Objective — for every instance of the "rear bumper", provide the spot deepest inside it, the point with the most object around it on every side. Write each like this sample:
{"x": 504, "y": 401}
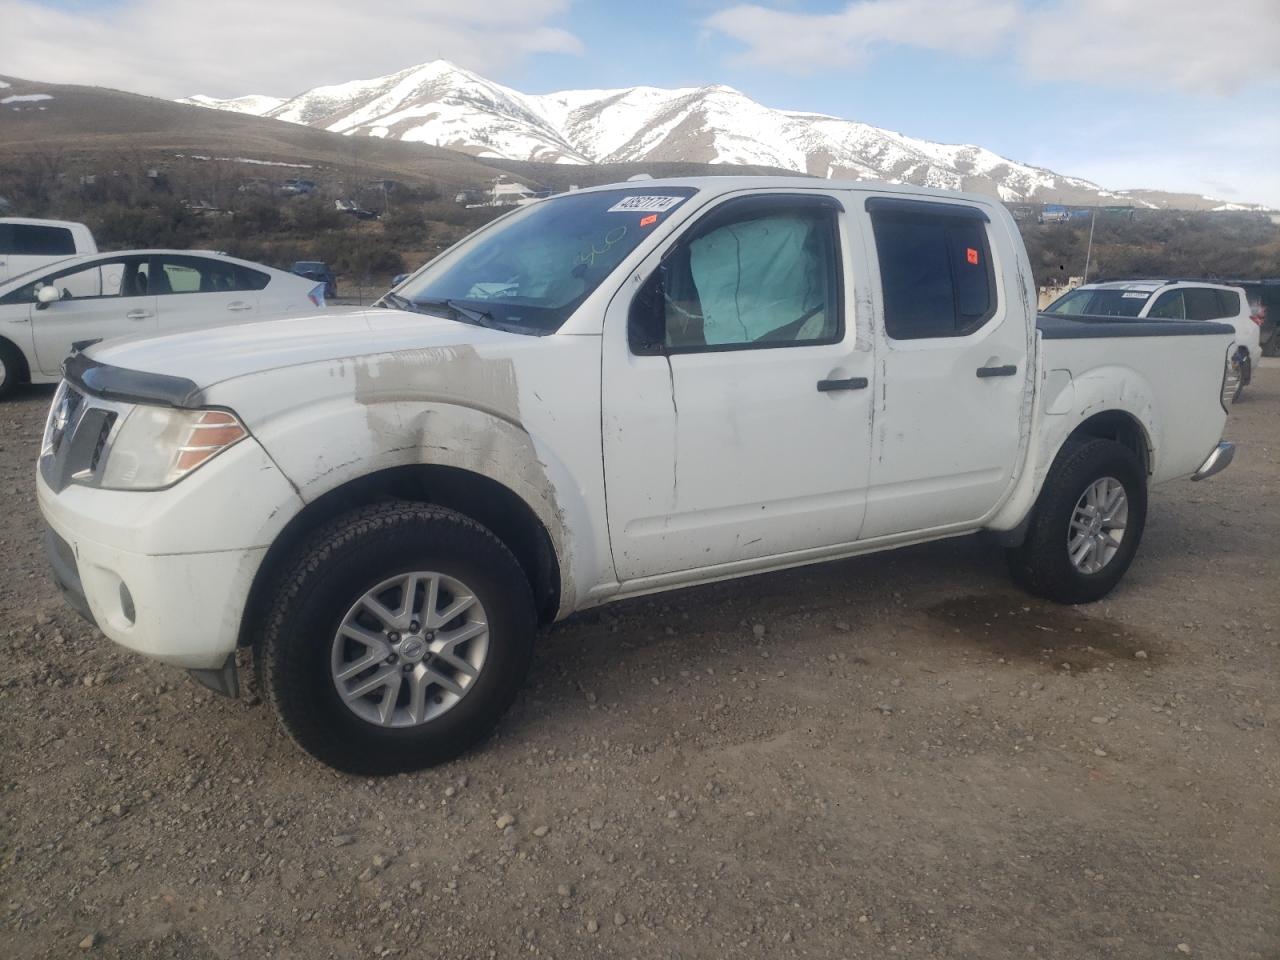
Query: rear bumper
{"x": 1217, "y": 461}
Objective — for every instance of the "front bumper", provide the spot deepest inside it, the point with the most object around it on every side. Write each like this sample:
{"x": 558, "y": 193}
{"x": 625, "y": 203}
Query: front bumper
{"x": 1217, "y": 461}
{"x": 166, "y": 573}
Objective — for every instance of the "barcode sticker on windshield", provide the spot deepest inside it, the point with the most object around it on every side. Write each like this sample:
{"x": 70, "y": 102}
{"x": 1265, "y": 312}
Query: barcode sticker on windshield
{"x": 1134, "y": 296}
{"x": 644, "y": 205}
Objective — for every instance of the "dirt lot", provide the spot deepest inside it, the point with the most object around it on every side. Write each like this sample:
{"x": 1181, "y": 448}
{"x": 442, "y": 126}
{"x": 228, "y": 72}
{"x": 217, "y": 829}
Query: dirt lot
{"x": 894, "y": 756}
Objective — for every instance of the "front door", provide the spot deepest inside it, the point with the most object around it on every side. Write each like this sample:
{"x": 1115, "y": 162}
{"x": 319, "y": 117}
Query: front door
{"x": 953, "y": 414}
{"x": 736, "y": 397}
{"x": 100, "y": 300}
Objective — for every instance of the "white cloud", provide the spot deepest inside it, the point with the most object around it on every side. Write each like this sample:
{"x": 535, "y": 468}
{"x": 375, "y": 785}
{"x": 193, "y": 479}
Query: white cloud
{"x": 803, "y": 42}
{"x": 175, "y": 48}
{"x": 1191, "y": 45}
{"x": 1197, "y": 47}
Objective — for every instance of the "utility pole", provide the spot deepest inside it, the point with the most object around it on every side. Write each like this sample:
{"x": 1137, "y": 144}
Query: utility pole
{"x": 1088, "y": 254}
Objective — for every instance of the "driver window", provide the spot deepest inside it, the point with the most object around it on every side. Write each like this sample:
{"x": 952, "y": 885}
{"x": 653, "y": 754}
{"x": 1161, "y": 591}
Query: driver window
{"x": 755, "y": 274}
{"x": 80, "y": 284}
{"x": 105, "y": 278}
{"x": 1169, "y": 307}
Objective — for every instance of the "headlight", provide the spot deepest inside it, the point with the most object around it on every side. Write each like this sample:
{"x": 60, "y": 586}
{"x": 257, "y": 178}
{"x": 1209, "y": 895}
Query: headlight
{"x": 158, "y": 446}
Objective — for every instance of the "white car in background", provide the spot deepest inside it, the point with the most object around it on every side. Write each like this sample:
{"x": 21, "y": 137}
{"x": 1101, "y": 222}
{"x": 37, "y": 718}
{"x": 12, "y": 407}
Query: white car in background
{"x": 49, "y": 313}
{"x": 1173, "y": 300}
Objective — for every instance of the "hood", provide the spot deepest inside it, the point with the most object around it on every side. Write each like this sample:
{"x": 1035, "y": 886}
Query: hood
{"x": 211, "y": 355}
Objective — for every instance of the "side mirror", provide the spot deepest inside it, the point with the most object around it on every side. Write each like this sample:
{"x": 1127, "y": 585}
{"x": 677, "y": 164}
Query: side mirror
{"x": 398, "y": 279}
{"x": 47, "y": 294}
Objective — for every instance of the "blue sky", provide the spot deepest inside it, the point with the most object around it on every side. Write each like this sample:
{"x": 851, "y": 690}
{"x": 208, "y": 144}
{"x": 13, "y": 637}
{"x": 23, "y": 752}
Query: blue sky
{"x": 1173, "y": 94}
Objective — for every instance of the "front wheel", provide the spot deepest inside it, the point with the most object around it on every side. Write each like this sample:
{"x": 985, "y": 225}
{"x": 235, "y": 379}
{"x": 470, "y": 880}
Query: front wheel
{"x": 396, "y": 639}
{"x": 1086, "y": 526}
{"x": 10, "y": 369}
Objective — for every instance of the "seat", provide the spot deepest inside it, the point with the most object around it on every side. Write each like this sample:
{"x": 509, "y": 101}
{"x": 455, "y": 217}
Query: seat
{"x": 158, "y": 283}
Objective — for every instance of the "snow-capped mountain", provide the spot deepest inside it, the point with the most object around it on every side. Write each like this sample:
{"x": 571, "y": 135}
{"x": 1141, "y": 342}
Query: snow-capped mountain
{"x": 253, "y": 104}
{"x": 445, "y": 105}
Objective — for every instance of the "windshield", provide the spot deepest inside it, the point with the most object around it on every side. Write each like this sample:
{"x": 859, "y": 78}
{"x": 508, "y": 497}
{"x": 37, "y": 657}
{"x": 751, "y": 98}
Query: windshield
{"x": 1100, "y": 303}
{"x": 530, "y": 272}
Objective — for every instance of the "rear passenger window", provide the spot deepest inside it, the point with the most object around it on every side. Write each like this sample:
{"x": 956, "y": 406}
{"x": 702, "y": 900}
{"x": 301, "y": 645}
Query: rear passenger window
{"x": 29, "y": 239}
{"x": 203, "y": 275}
{"x": 935, "y": 268}
{"x": 1228, "y": 304}
{"x": 1202, "y": 303}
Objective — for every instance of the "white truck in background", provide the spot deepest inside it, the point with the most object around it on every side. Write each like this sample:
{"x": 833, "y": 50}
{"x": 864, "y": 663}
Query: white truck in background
{"x": 609, "y": 393}
{"x": 27, "y": 244}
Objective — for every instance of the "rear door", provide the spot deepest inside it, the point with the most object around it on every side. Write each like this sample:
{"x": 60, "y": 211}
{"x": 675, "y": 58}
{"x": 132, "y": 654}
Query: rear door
{"x": 195, "y": 291}
{"x": 954, "y": 341}
{"x": 101, "y": 300}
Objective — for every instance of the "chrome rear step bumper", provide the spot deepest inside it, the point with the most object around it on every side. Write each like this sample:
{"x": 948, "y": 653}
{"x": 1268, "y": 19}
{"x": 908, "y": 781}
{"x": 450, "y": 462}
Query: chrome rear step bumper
{"x": 1217, "y": 461}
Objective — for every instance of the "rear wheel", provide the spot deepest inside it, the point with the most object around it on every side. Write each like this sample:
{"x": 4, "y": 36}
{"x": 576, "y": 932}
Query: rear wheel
{"x": 397, "y": 638}
{"x": 1086, "y": 526}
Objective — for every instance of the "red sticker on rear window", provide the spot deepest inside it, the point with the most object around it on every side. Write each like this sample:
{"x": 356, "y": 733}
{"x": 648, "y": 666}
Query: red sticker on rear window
{"x": 649, "y": 221}
{"x": 971, "y": 255}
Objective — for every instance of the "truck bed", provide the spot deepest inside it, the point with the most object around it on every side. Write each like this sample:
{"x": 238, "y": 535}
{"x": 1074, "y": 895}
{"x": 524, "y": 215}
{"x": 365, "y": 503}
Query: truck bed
{"x": 1054, "y": 326}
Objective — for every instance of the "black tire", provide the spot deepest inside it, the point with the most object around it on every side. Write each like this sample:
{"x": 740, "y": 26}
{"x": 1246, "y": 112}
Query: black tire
{"x": 1246, "y": 377}
{"x": 1042, "y": 564}
{"x": 11, "y": 369}
{"x": 329, "y": 573}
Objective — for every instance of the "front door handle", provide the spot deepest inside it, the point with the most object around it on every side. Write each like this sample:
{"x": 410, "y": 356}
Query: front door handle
{"x": 853, "y": 383}
{"x": 139, "y": 314}
{"x": 239, "y": 305}
{"x": 1008, "y": 370}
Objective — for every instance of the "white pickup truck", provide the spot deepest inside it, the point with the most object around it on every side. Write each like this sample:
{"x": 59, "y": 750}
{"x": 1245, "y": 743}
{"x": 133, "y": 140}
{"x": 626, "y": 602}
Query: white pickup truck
{"x": 27, "y": 244}
{"x": 608, "y": 393}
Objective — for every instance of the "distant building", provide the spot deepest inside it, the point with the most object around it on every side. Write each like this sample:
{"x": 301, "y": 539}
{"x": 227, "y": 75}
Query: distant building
{"x": 506, "y": 194}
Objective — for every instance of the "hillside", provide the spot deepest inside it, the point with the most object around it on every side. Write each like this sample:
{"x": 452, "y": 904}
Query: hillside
{"x": 90, "y": 127}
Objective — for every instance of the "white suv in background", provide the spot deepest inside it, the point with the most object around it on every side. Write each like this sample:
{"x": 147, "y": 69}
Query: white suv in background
{"x": 1172, "y": 300}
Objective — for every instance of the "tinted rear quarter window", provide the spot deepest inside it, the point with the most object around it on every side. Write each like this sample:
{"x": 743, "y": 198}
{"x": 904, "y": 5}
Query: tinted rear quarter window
{"x": 247, "y": 279}
{"x": 29, "y": 239}
{"x": 1228, "y": 304}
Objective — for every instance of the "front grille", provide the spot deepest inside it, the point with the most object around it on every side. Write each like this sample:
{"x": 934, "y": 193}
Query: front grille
{"x": 77, "y": 437}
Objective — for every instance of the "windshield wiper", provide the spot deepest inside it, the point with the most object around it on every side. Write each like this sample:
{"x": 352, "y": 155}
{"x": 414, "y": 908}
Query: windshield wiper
{"x": 462, "y": 312}
{"x": 395, "y": 300}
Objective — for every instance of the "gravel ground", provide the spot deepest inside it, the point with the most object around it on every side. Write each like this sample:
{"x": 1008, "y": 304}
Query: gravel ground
{"x": 893, "y": 756}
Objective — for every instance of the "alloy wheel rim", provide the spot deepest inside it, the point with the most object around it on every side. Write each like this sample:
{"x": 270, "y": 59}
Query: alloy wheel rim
{"x": 1097, "y": 525}
{"x": 409, "y": 649}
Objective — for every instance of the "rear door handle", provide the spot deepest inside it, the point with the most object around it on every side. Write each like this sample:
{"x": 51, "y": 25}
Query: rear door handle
{"x": 239, "y": 305}
{"x": 853, "y": 383}
{"x": 1008, "y": 370}
{"x": 139, "y": 314}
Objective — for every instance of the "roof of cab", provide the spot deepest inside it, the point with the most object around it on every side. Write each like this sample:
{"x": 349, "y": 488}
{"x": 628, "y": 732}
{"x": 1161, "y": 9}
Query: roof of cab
{"x": 729, "y": 184}
{"x": 39, "y": 222}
